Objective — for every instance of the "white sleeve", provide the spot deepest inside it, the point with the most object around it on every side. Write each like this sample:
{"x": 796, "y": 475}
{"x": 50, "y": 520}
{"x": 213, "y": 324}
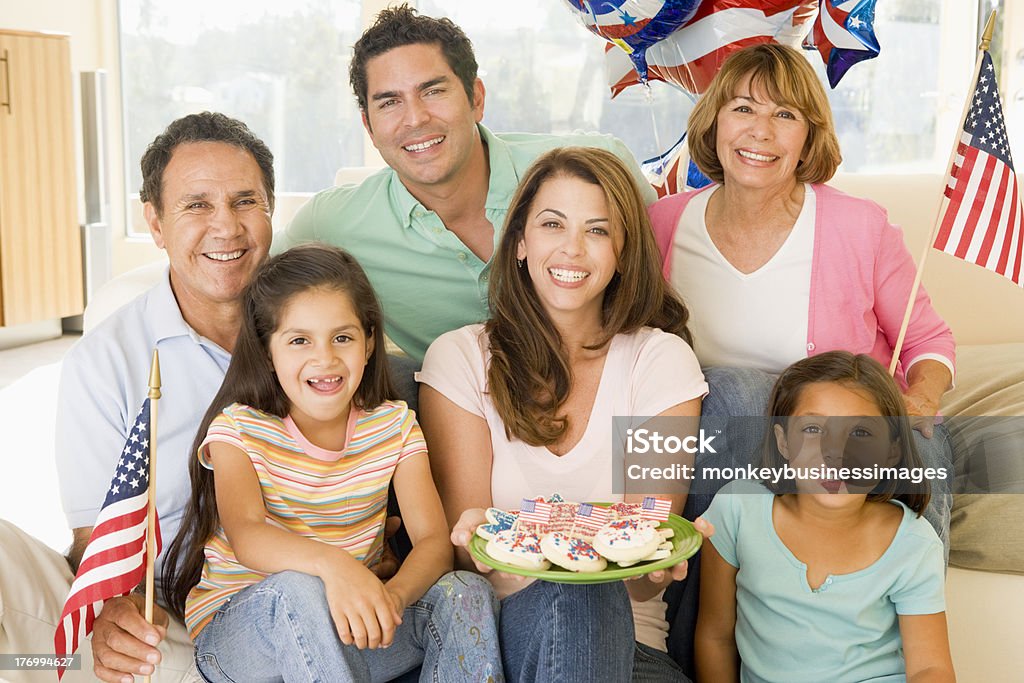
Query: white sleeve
{"x": 454, "y": 366}
{"x": 92, "y": 424}
{"x": 665, "y": 373}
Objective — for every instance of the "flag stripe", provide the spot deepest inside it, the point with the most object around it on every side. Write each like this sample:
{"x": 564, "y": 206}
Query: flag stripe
{"x": 989, "y": 236}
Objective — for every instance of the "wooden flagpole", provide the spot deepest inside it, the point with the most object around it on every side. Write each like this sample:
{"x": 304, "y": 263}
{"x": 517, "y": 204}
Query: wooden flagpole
{"x": 154, "y": 399}
{"x": 986, "y": 40}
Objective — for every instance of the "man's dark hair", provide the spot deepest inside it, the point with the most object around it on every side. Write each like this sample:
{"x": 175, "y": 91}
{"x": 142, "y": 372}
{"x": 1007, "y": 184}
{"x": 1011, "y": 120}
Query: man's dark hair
{"x": 400, "y": 26}
{"x": 203, "y": 127}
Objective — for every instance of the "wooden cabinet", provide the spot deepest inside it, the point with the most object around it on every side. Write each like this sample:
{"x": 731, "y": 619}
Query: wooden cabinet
{"x": 40, "y": 240}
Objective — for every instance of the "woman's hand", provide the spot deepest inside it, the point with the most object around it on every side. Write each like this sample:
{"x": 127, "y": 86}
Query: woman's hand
{"x": 462, "y": 534}
{"x": 922, "y": 411}
{"x": 656, "y": 581}
{"x": 927, "y": 381}
{"x": 365, "y": 613}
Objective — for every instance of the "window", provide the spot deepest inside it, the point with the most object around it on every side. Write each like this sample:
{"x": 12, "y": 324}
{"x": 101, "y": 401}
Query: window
{"x": 282, "y": 67}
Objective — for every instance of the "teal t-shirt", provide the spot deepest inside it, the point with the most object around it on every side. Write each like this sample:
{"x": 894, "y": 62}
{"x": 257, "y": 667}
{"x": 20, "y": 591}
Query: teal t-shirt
{"x": 427, "y": 280}
{"x": 848, "y": 629}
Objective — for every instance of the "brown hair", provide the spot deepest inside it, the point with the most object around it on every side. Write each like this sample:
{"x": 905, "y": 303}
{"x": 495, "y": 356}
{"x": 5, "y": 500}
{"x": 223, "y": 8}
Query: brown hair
{"x": 401, "y": 26}
{"x": 202, "y": 127}
{"x": 250, "y": 380}
{"x": 529, "y": 377}
{"x": 862, "y": 372}
{"x": 789, "y": 80}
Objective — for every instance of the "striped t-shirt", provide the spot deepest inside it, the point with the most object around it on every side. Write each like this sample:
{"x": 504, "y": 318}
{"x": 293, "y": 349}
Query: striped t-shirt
{"x": 339, "y": 498}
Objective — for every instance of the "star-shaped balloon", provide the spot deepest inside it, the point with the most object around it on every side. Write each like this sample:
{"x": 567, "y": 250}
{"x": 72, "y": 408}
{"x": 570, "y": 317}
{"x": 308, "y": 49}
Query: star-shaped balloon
{"x": 844, "y": 35}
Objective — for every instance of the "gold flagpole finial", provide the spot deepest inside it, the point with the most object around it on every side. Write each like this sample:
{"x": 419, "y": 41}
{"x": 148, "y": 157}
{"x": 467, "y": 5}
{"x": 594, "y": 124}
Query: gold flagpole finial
{"x": 986, "y": 36}
{"x": 154, "y": 376}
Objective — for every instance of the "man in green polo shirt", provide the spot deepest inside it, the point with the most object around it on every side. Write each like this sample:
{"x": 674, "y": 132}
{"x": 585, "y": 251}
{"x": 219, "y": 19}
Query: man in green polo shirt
{"x": 425, "y": 227}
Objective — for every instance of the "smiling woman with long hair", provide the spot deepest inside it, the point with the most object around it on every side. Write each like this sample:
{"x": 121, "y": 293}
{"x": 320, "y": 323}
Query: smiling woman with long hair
{"x": 583, "y": 328}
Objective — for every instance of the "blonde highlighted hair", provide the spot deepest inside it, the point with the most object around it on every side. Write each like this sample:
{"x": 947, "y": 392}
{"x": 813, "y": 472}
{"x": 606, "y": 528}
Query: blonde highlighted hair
{"x": 788, "y": 79}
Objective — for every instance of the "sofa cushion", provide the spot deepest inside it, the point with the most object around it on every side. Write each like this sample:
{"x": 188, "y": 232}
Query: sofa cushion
{"x": 990, "y": 381}
{"x": 987, "y": 529}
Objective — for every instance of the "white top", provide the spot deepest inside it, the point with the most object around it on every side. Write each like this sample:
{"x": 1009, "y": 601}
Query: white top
{"x": 754, "y": 320}
{"x": 645, "y": 373}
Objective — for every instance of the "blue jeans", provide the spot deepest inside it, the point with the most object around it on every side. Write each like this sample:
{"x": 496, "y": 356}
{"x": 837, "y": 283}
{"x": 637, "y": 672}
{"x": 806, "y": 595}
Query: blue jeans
{"x": 563, "y": 632}
{"x": 280, "y": 629}
{"x": 652, "y": 666}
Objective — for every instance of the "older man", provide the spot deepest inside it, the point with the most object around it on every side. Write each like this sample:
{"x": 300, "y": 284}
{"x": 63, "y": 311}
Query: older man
{"x": 208, "y": 193}
{"x": 425, "y": 227}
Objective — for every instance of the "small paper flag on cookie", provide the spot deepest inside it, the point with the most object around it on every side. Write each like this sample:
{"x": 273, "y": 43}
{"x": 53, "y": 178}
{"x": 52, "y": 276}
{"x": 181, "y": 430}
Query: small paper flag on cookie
{"x": 534, "y": 511}
{"x": 655, "y": 508}
{"x": 591, "y": 517}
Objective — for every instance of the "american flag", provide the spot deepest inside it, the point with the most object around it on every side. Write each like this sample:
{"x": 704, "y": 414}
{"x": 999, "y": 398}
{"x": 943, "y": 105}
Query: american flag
{"x": 691, "y": 55}
{"x": 592, "y": 517}
{"x": 114, "y": 562}
{"x": 655, "y": 508}
{"x": 534, "y": 511}
{"x": 982, "y": 223}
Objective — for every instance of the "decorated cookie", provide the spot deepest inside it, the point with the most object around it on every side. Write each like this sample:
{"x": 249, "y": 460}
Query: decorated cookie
{"x": 517, "y": 548}
{"x": 664, "y": 550}
{"x": 571, "y": 553}
{"x": 497, "y": 521}
{"x": 627, "y": 540}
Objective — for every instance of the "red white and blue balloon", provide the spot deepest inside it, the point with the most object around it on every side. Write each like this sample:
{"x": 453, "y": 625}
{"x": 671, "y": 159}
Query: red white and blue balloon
{"x": 844, "y": 35}
{"x": 634, "y": 25}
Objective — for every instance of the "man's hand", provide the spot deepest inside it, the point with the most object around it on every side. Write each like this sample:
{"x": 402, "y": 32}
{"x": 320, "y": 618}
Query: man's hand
{"x": 123, "y": 643}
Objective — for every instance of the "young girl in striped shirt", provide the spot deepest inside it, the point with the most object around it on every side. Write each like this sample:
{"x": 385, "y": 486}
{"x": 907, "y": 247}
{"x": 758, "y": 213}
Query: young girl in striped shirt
{"x": 273, "y": 569}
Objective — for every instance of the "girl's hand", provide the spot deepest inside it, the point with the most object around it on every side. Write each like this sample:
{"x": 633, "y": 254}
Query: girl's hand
{"x": 364, "y": 612}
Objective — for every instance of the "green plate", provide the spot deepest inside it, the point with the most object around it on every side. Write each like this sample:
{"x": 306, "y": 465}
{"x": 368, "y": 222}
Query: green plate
{"x": 685, "y": 542}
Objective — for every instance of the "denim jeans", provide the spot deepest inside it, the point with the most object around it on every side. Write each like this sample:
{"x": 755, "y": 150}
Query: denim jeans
{"x": 566, "y": 633}
{"x": 735, "y": 396}
{"x": 652, "y": 666}
{"x": 280, "y": 629}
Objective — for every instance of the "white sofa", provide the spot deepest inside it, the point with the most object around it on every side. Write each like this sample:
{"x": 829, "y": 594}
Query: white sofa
{"x": 986, "y": 312}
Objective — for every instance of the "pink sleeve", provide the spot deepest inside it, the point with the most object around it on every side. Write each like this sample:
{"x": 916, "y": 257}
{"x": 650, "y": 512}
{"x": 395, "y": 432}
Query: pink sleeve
{"x": 665, "y": 373}
{"x": 454, "y": 366}
{"x": 928, "y": 335}
{"x": 664, "y": 215}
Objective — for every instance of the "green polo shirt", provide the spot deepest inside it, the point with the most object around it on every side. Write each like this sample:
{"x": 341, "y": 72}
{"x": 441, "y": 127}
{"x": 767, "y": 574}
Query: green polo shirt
{"x": 427, "y": 280}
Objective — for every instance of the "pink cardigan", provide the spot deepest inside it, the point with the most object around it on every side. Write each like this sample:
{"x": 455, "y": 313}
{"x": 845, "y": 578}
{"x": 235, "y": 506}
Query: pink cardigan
{"x": 861, "y": 276}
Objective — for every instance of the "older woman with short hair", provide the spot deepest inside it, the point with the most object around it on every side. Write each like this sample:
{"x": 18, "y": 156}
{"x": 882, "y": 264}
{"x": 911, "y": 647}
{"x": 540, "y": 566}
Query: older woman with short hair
{"x": 775, "y": 265}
